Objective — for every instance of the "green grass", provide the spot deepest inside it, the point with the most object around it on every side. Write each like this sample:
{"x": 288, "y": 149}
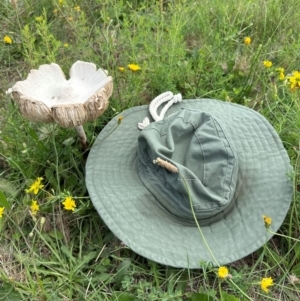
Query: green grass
{"x": 192, "y": 47}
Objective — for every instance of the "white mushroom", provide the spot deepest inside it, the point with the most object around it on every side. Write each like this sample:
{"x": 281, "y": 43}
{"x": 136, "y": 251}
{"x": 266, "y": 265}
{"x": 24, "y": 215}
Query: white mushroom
{"x": 47, "y": 96}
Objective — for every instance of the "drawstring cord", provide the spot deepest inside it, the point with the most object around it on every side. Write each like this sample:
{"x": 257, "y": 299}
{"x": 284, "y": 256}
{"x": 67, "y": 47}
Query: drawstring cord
{"x": 168, "y": 97}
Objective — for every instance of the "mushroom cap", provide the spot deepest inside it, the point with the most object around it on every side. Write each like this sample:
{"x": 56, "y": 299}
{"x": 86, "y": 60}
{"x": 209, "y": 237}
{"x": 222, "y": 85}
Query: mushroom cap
{"x": 46, "y": 95}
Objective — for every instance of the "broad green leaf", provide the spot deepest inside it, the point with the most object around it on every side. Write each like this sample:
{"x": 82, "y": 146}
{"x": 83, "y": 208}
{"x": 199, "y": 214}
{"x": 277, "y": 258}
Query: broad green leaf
{"x": 69, "y": 141}
{"x": 297, "y": 250}
{"x": 105, "y": 261}
{"x": 46, "y": 236}
{"x": 45, "y": 271}
{"x": 200, "y": 297}
{"x": 68, "y": 253}
{"x": 50, "y": 177}
{"x": 3, "y": 200}
{"x": 228, "y": 297}
{"x": 8, "y": 293}
{"x": 99, "y": 268}
{"x": 19, "y": 165}
{"x": 84, "y": 260}
{"x": 291, "y": 295}
{"x": 56, "y": 234}
{"x": 296, "y": 270}
{"x": 122, "y": 271}
{"x": 8, "y": 187}
{"x": 120, "y": 296}
{"x": 105, "y": 278}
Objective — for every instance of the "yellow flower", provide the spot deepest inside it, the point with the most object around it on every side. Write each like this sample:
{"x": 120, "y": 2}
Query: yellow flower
{"x": 268, "y": 64}
{"x": 39, "y": 19}
{"x": 281, "y": 73}
{"x": 122, "y": 69}
{"x": 1, "y": 211}
{"x": 77, "y": 8}
{"x": 36, "y": 186}
{"x": 280, "y": 70}
{"x": 7, "y": 39}
{"x": 281, "y": 76}
{"x": 223, "y": 272}
{"x": 66, "y": 45}
{"x": 34, "y": 207}
{"x": 247, "y": 41}
{"x": 60, "y": 2}
{"x": 134, "y": 67}
{"x": 294, "y": 80}
{"x": 120, "y": 118}
{"x": 69, "y": 203}
{"x": 265, "y": 283}
{"x": 267, "y": 220}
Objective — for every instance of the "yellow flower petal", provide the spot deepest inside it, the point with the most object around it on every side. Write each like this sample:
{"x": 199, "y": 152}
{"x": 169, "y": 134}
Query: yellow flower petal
{"x": 265, "y": 283}
{"x": 39, "y": 19}
{"x": 69, "y": 204}
{"x": 7, "y": 39}
{"x": 281, "y": 76}
{"x": 34, "y": 207}
{"x": 267, "y": 220}
{"x": 223, "y": 272}
{"x": 134, "y": 67}
{"x": 36, "y": 186}
{"x": 120, "y": 118}
{"x": 1, "y": 211}
{"x": 247, "y": 41}
{"x": 267, "y": 64}
{"x": 294, "y": 80}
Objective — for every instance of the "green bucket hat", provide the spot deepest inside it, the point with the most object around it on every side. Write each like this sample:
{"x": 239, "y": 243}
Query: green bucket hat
{"x": 208, "y": 165}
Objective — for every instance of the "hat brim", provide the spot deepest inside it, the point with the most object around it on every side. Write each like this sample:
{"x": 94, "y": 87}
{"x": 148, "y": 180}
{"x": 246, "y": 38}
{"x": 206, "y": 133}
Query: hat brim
{"x": 131, "y": 212}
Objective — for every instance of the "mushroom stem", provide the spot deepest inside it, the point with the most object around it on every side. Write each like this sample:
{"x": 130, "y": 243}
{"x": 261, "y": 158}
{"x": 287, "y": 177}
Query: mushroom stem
{"x": 82, "y": 135}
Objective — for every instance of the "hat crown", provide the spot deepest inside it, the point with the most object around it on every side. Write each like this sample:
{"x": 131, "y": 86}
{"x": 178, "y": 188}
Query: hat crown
{"x": 198, "y": 145}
